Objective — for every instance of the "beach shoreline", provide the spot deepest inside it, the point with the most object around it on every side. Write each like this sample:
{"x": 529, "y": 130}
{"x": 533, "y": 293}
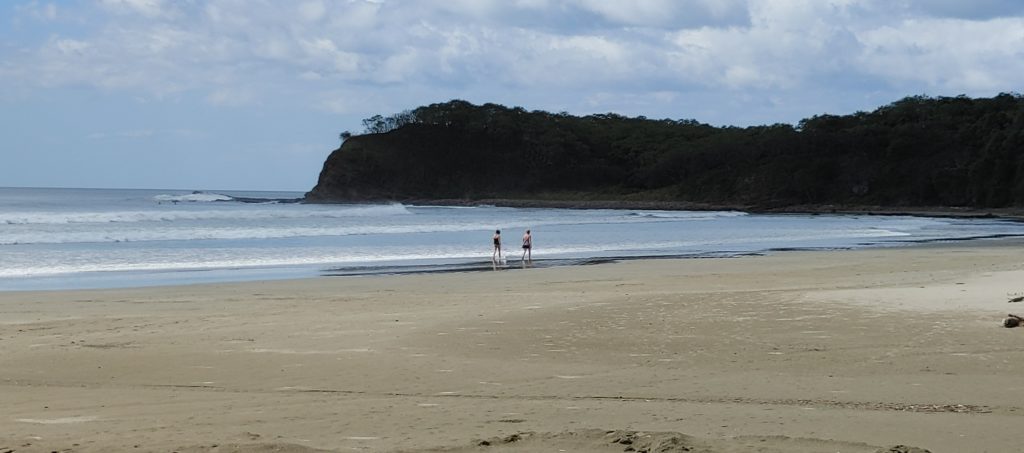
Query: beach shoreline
{"x": 1010, "y": 213}
{"x": 847, "y": 350}
{"x": 131, "y": 237}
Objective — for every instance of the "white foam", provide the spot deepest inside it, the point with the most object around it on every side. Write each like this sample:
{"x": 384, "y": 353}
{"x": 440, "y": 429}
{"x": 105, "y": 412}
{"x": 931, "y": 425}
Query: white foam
{"x": 688, "y": 215}
{"x": 142, "y": 237}
{"x": 227, "y": 213}
{"x": 157, "y": 258}
{"x": 249, "y": 231}
{"x": 194, "y": 197}
{"x": 202, "y": 260}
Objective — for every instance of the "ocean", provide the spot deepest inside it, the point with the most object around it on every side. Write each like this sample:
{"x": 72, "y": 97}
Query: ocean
{"x": 109, "y": 238}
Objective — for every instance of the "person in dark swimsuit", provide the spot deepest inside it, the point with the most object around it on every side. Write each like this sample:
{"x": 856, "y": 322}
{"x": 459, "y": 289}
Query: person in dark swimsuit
{"x": 496, "y": 255}
{"x": 527, "y": 246}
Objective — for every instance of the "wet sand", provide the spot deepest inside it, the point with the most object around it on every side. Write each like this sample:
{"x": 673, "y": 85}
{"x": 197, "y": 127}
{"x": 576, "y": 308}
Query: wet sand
{"x": 845, "y": 351}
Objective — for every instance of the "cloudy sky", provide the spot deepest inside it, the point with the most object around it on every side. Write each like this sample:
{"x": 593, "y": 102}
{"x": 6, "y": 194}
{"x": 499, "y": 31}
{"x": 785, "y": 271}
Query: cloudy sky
{"x": 251, "y": 94}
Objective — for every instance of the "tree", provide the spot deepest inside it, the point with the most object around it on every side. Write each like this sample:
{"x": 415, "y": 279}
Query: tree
{"x": 375, "y": 125}
{"x": 918, "y": 151}
{"x": 378, "y": 124}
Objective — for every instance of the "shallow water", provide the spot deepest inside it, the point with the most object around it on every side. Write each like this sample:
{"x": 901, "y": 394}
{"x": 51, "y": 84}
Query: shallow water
{"x": 96, "y": 238}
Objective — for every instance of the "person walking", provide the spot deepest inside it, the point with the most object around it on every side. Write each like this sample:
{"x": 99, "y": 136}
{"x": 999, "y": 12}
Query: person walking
{"x": 527, "y": 246}
{"x": 496, "y": 255}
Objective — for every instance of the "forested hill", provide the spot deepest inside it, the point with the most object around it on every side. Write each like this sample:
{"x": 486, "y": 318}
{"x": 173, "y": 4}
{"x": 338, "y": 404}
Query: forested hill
{"x": 916, "y": 152}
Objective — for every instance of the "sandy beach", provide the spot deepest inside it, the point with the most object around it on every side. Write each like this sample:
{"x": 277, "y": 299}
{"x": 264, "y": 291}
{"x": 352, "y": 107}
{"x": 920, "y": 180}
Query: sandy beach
{"x": 839, "y": 351}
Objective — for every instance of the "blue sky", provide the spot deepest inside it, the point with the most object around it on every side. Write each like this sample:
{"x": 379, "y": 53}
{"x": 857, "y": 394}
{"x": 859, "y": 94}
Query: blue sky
{"x": 251, "y": 94}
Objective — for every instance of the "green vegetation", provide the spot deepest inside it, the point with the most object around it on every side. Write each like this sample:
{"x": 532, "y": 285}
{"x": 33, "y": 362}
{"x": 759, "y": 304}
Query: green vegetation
{"x": 919, "y": 151}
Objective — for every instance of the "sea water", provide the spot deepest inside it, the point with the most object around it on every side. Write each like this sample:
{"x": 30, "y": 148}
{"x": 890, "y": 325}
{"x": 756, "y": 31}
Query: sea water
{"x": 101, "y": 238}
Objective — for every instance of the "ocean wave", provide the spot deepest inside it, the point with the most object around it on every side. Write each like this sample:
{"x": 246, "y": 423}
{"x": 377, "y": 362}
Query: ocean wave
{"x": 133, "y": 229}
{"x": 198, "y": 259}
{"x": 226, "y": 233}
{"x": 194, "y": 197}
{"x": 687, "y": 215}
{"x": 250, "y": 232}
{"x": 193, "y": 259}
{"x": 210, "y": 197}
{"x": 170, "y": 215}
{"x": 166, "y": 266}
{"x": 211, "y": 260}
{"x": 256, "y": 225}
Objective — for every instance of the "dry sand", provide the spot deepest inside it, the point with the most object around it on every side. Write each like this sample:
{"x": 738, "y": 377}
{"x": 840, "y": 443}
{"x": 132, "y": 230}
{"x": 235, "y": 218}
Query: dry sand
{"x": 846, "y": 351}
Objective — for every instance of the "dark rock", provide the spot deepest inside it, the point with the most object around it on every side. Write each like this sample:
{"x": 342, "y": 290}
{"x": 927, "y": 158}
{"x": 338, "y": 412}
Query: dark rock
{"x": 902, "y": 449}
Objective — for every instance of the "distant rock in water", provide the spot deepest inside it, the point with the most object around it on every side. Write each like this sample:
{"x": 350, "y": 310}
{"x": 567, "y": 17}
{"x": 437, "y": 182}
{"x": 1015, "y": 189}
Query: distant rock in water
{"x": 916, "y": 152}
{"x": 266, "y": 200}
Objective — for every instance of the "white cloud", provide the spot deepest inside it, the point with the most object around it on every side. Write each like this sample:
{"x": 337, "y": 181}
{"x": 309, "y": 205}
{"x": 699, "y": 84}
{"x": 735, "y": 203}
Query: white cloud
{"x": 972, "y": 10}
{"x": 313, "y": 66}
{"x": 588, "y": 48}
{"x": 71, "y": 46}
{"x": 633, "y": 102}
{"x": 478, "y": 9}
{"x": 50, "y": 11}
{"x": 349, "y": 101}
{"x": 39, "y": 11}
{"x": 312, "y": 11}
{"x": 638, "y": 12}
{"x": 357, "y": 19}
{"x": 948, "y": 54}
{"x": 231, "y": 96}
{"x": 400, "y": 67}
{"x": 666, "y": 13}
{"x": 147, "y": 8}
{"x": 323, "y": 53}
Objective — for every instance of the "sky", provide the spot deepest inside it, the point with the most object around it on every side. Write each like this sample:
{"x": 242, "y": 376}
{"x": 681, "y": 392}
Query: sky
{"x": 252, "y": 94}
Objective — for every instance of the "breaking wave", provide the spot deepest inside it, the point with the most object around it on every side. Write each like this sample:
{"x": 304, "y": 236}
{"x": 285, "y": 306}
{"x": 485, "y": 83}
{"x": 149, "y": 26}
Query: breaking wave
{"x": 163, "y": 215}
{"x": 687, "y": 215}
{"x": 194, "y": 197}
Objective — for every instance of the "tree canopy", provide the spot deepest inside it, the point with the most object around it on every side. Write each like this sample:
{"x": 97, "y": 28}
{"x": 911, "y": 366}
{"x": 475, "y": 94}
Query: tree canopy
{"x": 918, "y": 151}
